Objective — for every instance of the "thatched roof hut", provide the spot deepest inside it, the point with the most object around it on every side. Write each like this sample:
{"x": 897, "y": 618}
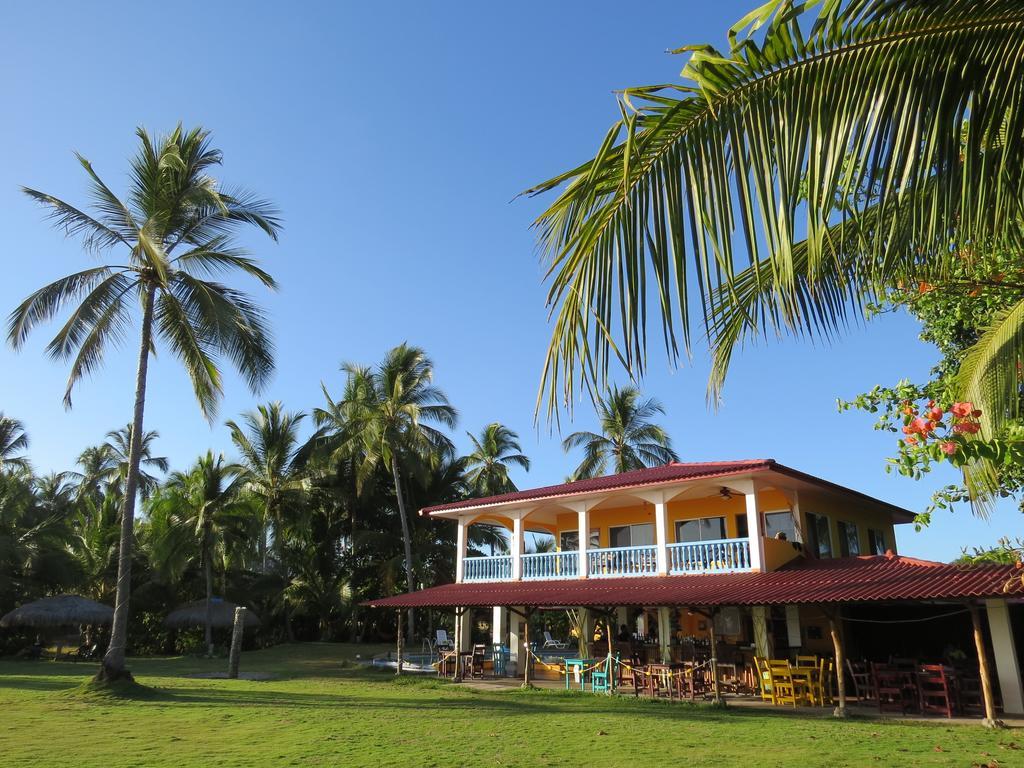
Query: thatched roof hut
{"x": 194, "y": 615}
{"x": 59, "y": 611}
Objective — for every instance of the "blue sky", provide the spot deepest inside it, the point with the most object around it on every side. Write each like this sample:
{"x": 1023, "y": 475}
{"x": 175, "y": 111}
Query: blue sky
{"x": 394, "y": 137}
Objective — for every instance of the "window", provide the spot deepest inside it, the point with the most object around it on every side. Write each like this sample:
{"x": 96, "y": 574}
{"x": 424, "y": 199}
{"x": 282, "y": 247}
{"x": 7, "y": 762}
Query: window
{"x": 704, "y": 529}
{"x": 876, "y": 541}
{"x": 569, "y": 541}
{"x": 631, "y": 535}
{"x": 849, "y": 539}
{"x": 819, "y": 538}
{"x": 779, "y": 522}
{"x": 742, "y": 529}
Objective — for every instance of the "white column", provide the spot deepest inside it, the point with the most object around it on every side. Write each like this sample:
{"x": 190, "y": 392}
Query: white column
{"x": 793, "y": 626}
{"x": 460, "y": 549}
{"x": 661, "y": 535}
{"x": 499, "y": 625}
{"x": 583, "y": 522}
{"x": 1007, "y": 665}
{"x": 466, "y": 630}
{"x": 665, "y": 634}
{"x": 754, "y": 532}
{"x": 515, "y": 643}
{"x": 516, "y": 546}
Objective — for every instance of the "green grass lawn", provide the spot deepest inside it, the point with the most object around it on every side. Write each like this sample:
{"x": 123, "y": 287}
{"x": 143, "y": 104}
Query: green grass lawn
{"x": 319, "y": 711}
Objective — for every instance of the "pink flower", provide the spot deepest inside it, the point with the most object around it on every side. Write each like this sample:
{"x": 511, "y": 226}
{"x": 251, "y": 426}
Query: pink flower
{"x": 948, "y": 448}
{"x": 962, "y": 410}
{"x": 967, "y": 428}
{"x": 921, "y": 426}
{"x": 910, "y": 440}
{"x": 935, "y": 413}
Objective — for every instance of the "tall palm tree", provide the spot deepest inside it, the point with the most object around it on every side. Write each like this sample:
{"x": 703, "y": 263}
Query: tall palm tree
{"x": 628, "y": 439}
{"x": 269, "y": 445}
{"x": 389, "y": 412}
{"x": 174, "y": 229}
{"x": 207, "y": 501}
{"x": 104, "y": 467}
{"x": 888, "y": 134}
{"x": 13, "y": 440}
{"x": 487, "y": 465}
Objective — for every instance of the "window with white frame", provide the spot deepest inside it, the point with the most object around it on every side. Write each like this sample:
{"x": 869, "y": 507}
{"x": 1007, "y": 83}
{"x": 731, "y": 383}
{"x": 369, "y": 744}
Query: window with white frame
{"x": 779, "y": 522}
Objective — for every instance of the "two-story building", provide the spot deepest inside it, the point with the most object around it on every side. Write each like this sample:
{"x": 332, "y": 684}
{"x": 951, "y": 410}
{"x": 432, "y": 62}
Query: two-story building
{"x": 767, "y": 551}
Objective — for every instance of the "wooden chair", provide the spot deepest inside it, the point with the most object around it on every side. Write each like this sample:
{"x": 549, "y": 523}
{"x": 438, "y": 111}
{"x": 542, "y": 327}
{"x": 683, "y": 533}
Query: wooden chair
{"x": 602, "y": 679}
{"x": 476, "y": 662}
{"x": 785, "y": 690}
{"x": 934, "y": 688}
{"x": 891, "y": 688}
{"x": 807, "y": 661}
{"x": 764, "y": 679}
{"x": 632, "y": 674}
{"x": 969, "y": 698}
{"x": 821, "y": 689}
{"x": 863, "y": 684}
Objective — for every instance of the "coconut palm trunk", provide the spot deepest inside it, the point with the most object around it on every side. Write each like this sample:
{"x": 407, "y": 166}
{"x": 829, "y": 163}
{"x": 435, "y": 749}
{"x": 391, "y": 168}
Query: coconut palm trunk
{"x": 406, "y": 542}
{"x": 208, "y": 571}
{"x": 113, "y": 660}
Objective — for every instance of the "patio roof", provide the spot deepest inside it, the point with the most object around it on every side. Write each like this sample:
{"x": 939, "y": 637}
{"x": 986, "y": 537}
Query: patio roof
{"x": 668, "y": 473}
{"x": 876, "y": 578}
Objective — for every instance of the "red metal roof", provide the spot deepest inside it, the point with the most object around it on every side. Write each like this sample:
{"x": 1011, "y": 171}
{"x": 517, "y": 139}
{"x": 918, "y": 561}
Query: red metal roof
{"x": 675, "y": 471}
{"x": 874, "y": 578}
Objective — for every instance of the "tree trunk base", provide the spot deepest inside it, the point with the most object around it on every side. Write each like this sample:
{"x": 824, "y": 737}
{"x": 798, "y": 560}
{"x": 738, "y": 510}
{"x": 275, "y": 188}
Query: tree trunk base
{"x": 110, "y": 675}
{"x": 840, "y": 712}
{"x": 990, "y": 723}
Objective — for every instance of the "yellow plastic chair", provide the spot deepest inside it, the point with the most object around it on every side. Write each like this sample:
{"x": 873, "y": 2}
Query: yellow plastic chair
{"x": 807, "y": 661}
{"x": 821, "y": 691}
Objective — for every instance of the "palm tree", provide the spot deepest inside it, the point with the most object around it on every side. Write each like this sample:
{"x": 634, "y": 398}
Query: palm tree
{"x": 889, "y": 134}
{"x": 269, "y": 445}
{"x": 628, "y": 439}
{"x": 174, "y": 229}
{"x": 105, "y": 466}
{"x": 388, "y": 413}
{"x": 13, "y": 440}
{"x": 206, "y": 500}
{"x": 487, "y": 466}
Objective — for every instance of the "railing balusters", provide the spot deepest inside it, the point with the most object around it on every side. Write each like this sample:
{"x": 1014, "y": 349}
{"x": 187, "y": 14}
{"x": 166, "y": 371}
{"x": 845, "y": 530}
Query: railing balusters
{"x": 717, "y": 556}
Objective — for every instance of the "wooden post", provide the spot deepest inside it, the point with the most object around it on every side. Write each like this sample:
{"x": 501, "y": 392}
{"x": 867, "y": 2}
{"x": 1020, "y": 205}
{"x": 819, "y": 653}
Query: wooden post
{"x": 990, "y": 721}
{"x": 458, "y": 644}
{"x": 398, "y": 665}
{"x": 237, "y": 630}
{"x": 837, "y": 644}
{"x": 716, "y": 691}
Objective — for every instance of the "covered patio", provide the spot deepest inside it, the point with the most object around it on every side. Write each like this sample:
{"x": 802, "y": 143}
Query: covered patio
{"x": 902, "y": 634}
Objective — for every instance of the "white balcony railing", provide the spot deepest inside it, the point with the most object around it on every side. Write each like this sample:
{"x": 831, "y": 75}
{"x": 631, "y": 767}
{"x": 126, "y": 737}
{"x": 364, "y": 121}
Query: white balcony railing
{"x": 551, "y": 565}
{"x": 622, "y": 561}
{"x": 495, "y": 568}
{"x": 720, "y": 555}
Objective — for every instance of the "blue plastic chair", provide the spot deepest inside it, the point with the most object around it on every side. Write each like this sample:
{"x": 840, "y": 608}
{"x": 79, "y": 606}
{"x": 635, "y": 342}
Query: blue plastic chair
{"x": 499, "y": 657}
{"x": 603, "y": 678}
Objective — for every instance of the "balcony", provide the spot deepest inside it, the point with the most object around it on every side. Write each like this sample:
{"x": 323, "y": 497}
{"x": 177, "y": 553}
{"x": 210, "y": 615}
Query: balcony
{"x": 719, "y": 556}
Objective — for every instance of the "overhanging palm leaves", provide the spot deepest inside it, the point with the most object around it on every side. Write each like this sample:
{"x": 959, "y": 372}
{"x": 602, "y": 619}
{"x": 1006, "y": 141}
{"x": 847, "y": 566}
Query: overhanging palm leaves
{"x": 818, "y": 115}
{"x": 13, "y": 440}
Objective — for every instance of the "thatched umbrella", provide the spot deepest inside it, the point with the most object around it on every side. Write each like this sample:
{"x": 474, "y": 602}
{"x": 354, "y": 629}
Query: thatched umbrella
{"x": 222, "y": 614}
{"x": 59, "y": 611}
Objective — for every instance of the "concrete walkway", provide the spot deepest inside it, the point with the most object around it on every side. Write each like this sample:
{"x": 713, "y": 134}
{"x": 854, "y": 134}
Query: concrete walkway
{"x": 860, "y": 711}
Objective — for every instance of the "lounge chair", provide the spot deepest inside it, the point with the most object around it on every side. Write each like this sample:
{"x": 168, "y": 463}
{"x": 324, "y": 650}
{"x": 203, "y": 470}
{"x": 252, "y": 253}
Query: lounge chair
{"x": 86, "y": 653}
{"x": 443, "y": 641}
{"x": 550, "y": 642}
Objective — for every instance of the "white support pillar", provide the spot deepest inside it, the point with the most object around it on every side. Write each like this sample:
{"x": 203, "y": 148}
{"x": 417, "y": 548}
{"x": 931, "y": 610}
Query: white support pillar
{"x": 754, "y": 531}
{"x": 499, "y": 625}
{"x": 1007, "y": 664}
{"x": 583, "y": 524}
{"x": 461, "y": 536}
{"x": 793, "y": 637}
{"x": 516, "y": 652}
{"x": 665, "y": 634}
{"x": 661, "y": 535}
{"x": 466, "y": 631}
{"x": 517, "y": 546}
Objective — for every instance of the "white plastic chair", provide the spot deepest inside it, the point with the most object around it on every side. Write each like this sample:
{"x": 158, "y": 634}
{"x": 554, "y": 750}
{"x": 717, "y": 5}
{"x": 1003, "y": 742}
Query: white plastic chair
{"x": 550, "y": 642}
{"x": 443, "y": 641}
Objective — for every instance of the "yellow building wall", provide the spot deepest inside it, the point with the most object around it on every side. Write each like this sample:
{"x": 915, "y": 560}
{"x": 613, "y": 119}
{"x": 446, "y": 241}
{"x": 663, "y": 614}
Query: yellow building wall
{"x": 849, "y": 510}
